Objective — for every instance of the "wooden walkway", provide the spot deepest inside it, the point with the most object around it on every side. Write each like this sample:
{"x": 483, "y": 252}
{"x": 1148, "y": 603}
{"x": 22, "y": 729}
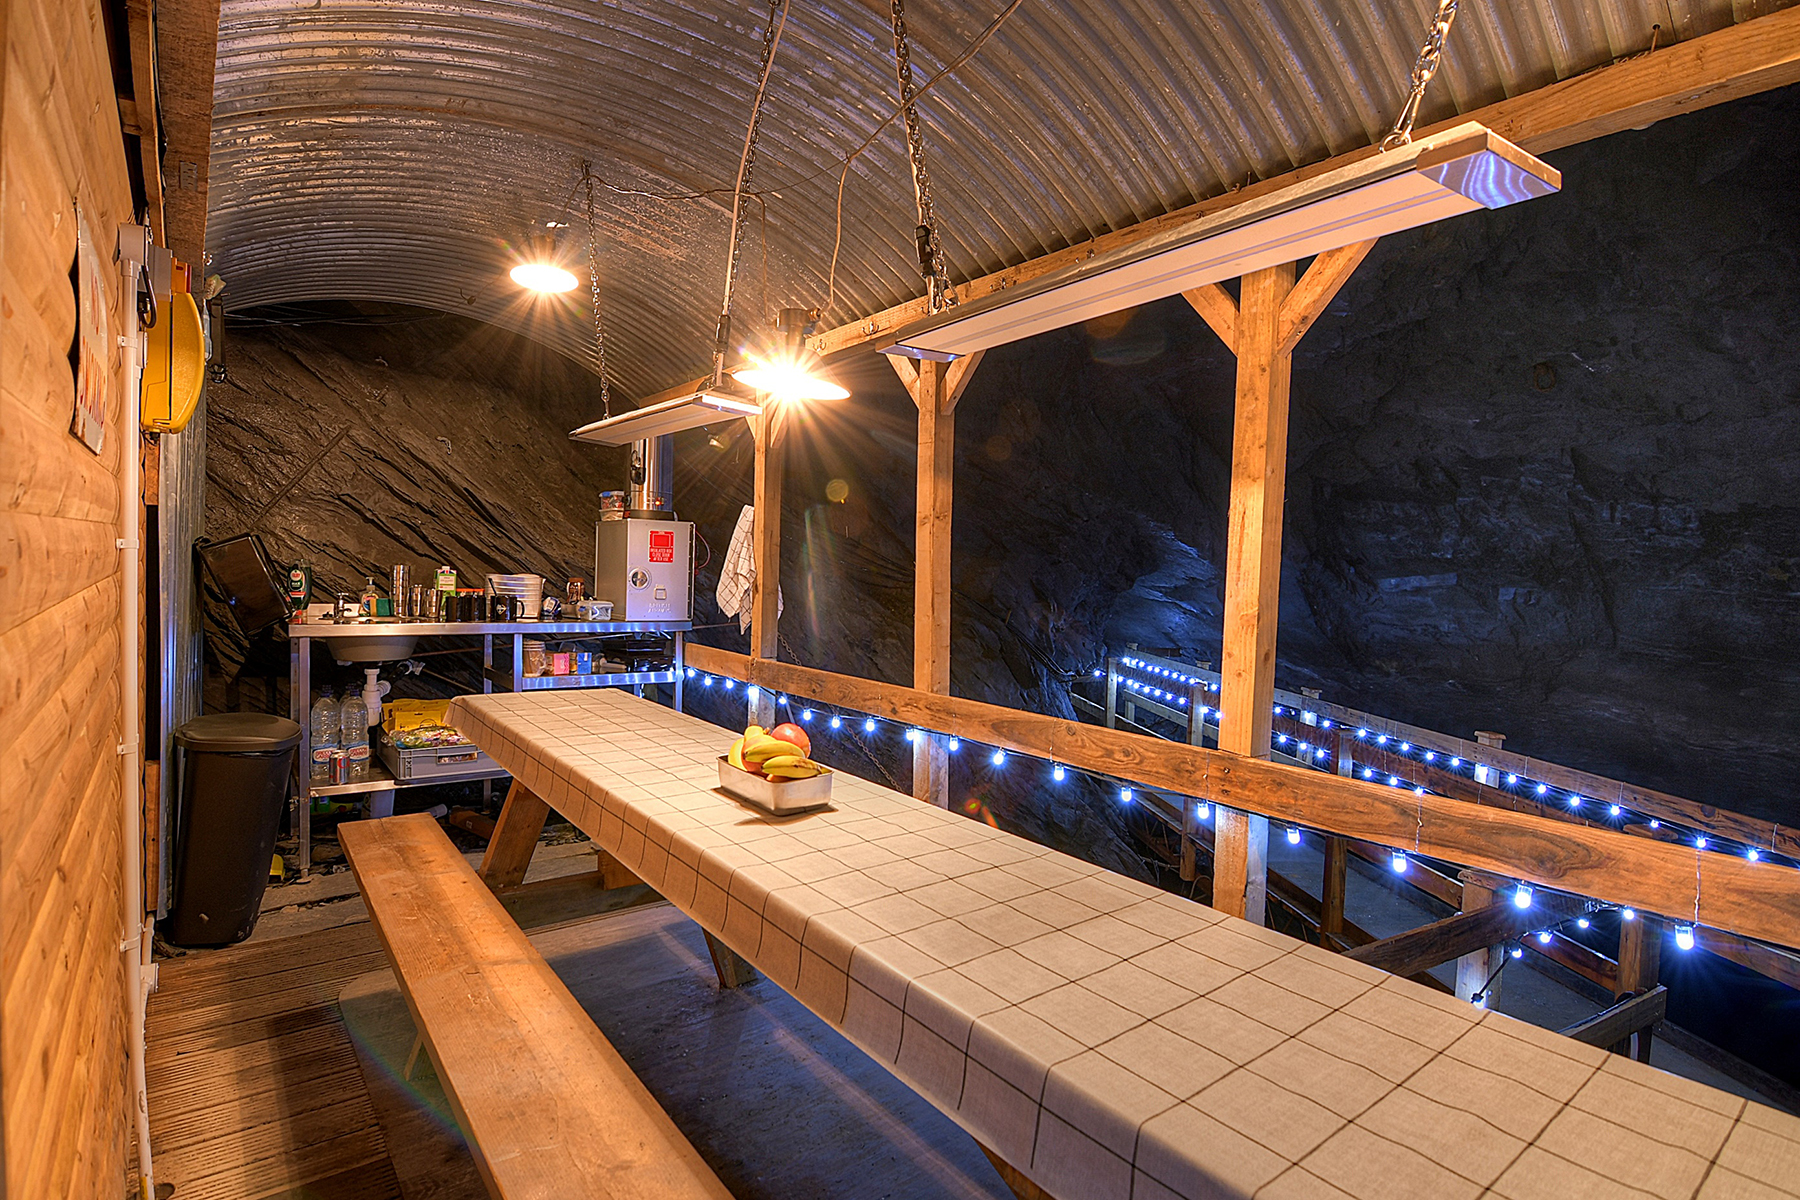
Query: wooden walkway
{"x": 255, "y": 1092}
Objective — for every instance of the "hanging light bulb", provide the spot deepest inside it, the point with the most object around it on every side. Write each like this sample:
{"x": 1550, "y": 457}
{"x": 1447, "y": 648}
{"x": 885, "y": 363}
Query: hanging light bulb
{"x": 1544, "y": 938}
{"x": 1518, "y": 952}
{"x": 1582, "y": 922}
{"x": 1125, "y": 795}
{"x": 806, "y": 714}
{"x": 1057, "y": 773}
{"x": 1684, "y": 937}
{"x": 787, "y": 379}
{"x": 837, "y": 722}
{"x": 1293, "y": 835}
{"x": 869, "y": 725}
{"x": 539, "y": 272}
{"x": 1398, "y": 862}
{"x": 999, "y": 759}
{"x": 1522, "y": 896}
{"x": 954, "y": 745}
{"x": 1628, "y": 914}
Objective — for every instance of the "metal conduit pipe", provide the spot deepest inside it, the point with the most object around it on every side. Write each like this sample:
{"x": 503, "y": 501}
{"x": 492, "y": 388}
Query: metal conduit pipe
{"x": 135, "y": 942}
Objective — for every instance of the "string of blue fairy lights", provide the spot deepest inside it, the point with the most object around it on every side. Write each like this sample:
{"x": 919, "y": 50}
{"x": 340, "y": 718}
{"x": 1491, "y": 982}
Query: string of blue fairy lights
{"x": 999, "y": 757}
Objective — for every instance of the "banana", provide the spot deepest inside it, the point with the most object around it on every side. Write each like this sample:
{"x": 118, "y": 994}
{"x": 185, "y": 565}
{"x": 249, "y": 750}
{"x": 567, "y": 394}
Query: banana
{"x": 763, "y": 751}
{"x": 785, "y": 760}
{"x": 754, "y": 731}
{"x": 797, "y": 771}
{"x": 736, "y": 757}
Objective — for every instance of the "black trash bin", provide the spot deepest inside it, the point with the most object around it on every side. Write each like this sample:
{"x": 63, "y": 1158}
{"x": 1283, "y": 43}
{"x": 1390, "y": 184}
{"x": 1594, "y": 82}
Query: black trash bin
{"x": 234, "y": 772}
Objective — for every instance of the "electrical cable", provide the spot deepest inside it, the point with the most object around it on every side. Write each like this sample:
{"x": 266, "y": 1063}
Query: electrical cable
{"x": 969, "y": 52}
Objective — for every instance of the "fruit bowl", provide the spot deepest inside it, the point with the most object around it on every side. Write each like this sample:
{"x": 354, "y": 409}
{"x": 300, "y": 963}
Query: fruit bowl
{"x": 779, "y": 796}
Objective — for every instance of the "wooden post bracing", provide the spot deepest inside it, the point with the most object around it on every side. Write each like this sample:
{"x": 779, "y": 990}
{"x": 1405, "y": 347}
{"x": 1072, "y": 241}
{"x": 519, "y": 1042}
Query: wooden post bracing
{"x": 1478, "y": 971}
{"x": 935, "y": 388}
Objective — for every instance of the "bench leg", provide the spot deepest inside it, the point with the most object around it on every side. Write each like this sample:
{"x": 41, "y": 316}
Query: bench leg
{"x": 515, "y": 838}
{"x": 412, "y": 1059}
{"x": 1015, "y": 1181}
{"x": 732, "y": 970}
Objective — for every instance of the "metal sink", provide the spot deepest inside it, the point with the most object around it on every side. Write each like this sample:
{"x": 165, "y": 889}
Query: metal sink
{"x": 375, "y": 648}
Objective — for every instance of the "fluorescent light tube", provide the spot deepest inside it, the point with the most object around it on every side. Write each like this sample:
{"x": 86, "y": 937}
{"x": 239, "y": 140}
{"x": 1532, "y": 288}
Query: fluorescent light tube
{"x": 1444, "y": 175}
{"x": 703, "y": 407}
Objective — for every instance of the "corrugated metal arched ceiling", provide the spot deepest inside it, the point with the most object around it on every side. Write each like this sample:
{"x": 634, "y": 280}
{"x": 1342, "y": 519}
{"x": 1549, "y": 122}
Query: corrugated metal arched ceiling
{"x": 400, "y": 150}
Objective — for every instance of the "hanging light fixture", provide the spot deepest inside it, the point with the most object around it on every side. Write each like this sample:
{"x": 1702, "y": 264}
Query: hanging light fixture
{"x": 540, "y": 272}
{"x": 790, "y": 375}
{"x": 1406, "y": 185}
{"x": 1454, "y": 172}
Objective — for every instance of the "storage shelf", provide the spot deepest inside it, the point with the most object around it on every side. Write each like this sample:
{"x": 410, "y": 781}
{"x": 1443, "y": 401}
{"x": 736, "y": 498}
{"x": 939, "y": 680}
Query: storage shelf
{"x": 328, "y": 629}
{"x": 540, "y": 683}
{"x": 380, "y": 780}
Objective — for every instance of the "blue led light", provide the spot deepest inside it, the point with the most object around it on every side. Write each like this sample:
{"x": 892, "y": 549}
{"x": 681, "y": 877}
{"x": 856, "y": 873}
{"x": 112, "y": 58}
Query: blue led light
{"x": 837, "y": 722}
{"x": 1124, "y": 795}
{"x": 869, "y": 725}
{"x": 999, "y": 759}
{"x": 1057, "y": 773}
{"x": 806, "y": 714}
{"x": 955, "y": 745}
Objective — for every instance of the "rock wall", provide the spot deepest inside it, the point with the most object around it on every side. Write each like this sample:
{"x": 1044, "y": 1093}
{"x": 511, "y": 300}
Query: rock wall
{"x": 1542, "y": 478}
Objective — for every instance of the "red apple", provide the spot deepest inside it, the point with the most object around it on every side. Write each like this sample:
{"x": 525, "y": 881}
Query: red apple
{"x": 791, "y": 732}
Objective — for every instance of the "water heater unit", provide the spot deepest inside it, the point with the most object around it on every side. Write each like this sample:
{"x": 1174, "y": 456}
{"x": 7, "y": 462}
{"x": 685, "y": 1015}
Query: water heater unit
{"x": 646, "y": 568}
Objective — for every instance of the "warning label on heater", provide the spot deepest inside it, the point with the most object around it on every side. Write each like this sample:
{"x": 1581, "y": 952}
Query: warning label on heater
{"x": 662, "y": 546}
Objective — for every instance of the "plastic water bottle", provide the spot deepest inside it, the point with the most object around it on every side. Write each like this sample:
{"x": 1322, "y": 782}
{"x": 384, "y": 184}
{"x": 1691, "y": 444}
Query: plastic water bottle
{"x": 353, "y": 720}
{"x": 325, "y": 725}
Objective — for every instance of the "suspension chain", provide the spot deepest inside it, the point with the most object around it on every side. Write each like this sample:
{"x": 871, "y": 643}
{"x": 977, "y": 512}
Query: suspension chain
{"x": 925, "y": 237}
{"x": 587, "y": 178}
{"x": 771, "y": 32}
{"x": 1422, "y": 71}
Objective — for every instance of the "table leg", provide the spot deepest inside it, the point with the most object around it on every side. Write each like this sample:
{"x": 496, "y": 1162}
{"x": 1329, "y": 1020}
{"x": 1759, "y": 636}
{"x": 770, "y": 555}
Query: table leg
{"x": 1015, "y": 1181}
{"x": 680, "y": 668}
{"x": 733, "y": 971}
{"x": 515, "y": 838}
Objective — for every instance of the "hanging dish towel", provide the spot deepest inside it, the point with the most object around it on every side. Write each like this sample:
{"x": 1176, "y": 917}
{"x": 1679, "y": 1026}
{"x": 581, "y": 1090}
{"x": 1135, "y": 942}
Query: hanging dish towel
{"x": 737, "y": 575}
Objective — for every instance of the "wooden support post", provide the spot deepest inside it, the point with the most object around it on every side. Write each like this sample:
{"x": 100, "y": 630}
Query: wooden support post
{"x": 1640, "y": 966}
{"x": 765, "y": 595}
{"x": 1475, "y": 969}
{"x": 1252, "y": 580}
{"x": 1331, "y": 898}
{"x": 515, "y": 838}
{"x": 1262, "y": 329}
{"x": 935, "y": 388}
{"x": 733, "y": 971}
{"x": 1112, "y": 693}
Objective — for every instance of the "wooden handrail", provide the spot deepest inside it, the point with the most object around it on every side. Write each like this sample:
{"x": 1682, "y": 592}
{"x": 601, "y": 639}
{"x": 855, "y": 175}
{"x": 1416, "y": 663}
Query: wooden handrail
{"x": 1755, "y": 900}
{"x": 1431, "y": 945}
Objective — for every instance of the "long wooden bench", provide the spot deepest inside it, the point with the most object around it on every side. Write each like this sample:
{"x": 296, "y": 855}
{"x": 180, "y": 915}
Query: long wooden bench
{"x": 547, "y": 1105}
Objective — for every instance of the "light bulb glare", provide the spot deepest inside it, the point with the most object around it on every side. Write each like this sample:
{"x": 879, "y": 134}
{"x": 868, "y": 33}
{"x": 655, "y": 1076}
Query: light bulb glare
{"x": 544, "y": 277}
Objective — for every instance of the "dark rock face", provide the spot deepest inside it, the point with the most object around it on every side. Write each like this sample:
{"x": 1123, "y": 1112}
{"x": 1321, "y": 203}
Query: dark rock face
{"x": 1541, "y": 480}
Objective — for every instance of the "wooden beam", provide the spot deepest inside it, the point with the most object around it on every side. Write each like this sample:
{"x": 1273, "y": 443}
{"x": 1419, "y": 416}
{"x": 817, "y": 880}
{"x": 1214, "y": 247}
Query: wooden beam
{"x": 140, "y": 16}
{"x": 515, "y": 838}
{"x": 1780, "y": 965}
{"x": 1750, "y": 57}
{"x": 1755, "y": 900}
{"x": 1015, "y": 1179}
{"x": 1217, "y": 309}
{"x": 1437, "y": 943}
{"x": 908, "y": 371}
{"x": 1610, "y": 1027}
{"x": 1306, "y": 303}
{"x": 733, "y": 971}
{"x": 187, "y": 42}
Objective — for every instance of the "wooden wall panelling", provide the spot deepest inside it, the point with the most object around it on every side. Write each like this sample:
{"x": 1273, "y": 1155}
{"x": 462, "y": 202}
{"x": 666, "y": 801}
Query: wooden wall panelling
{"x": 62, "y": 1009}
{"x": 1756, "y": 900}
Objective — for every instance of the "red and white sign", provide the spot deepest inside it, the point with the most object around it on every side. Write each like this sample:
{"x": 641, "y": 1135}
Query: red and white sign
{"x": 662, "y": 546}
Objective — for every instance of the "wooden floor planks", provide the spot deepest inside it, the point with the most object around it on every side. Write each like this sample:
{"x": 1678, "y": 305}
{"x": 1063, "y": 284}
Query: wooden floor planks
{"x": 254, "y": 1088}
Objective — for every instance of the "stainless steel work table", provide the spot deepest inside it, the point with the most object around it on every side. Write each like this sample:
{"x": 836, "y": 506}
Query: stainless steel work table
{"x": 302, "y": 634}
{"x": 1104, "y": 1037}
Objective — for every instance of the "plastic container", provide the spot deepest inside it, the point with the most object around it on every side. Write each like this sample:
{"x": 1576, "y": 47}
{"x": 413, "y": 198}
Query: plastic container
{"x": 233, "y": 775}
